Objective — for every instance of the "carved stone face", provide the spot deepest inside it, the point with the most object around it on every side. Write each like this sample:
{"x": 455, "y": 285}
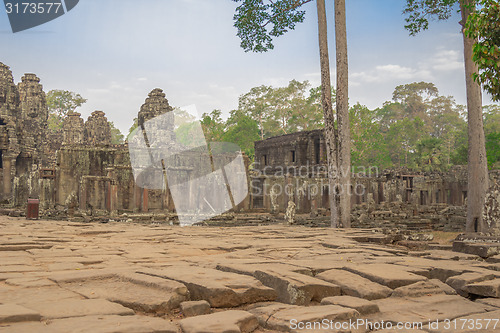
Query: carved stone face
{"x": 32, "y": 110}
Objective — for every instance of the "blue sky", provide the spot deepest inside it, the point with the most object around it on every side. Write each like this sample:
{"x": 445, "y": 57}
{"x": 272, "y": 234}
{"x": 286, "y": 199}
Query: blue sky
{"x": 113, "y": 52}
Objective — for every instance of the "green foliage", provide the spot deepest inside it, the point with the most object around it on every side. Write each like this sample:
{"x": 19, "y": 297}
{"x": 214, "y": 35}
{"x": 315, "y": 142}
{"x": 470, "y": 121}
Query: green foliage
{"x": 419, "y": 12}
{"x": 116, "y": 135}
{"x": 256, "y": 103}
{"x": 414, "y": 94}
{"x": 187, "y": 130}
{"x": 54, "y": 123}
{"x": 483, "y": 25}
{"x": 239, "y": 129}
{"x": 292, "y": 110}
{"x": 491, "y": 118}
{"x": 419, "y": 129}
{"x": 213, "y": 126}
{"x": 282, "y": 110}
{"x": 243, "y": 131}
{"x": 493, "y": 149}
{"x": 368, "y": 147}
{"x": 188, "y": 135}
{"x": 182, "y": 117}
{"x": 492, "y": 133}
{"x": 259, "y": 21}
{"x": 59, "y": 104}
{"x": 460, "y": 155}
{"x": 423, "y": 129}
{"x": 133, "y": 127}
{"x": 491, "y": 127}
{"x": 62, "y": 102}
{"x": 429, "y": 155}
{"x": 265, "y": 112}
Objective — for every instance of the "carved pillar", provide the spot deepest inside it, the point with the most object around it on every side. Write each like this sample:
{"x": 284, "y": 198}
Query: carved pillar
{"x": 322, "y": 152}
{"x": 7, "y": 180}
{"x": 145, "y": 200}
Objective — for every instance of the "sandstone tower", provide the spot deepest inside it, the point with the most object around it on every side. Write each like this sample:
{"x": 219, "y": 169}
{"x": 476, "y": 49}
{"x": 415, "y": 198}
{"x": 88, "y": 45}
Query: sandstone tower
{"x": 97, "y": 131}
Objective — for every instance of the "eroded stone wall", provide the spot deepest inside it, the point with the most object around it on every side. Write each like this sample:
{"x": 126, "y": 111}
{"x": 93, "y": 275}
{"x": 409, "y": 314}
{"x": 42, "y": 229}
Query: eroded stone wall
{"x": 9, "y": 145}
{"x": 23, "y": 128}
{"x": 379, "y": 198}
{"x": 34, "y": 115}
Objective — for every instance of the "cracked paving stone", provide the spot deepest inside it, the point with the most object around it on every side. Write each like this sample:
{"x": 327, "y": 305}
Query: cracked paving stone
{"x": 96, "y": 324}
{"x": 352, "y": 284}
{"x": 231, "y": 321}
{"x": 361, "y": 305}
{"x": 11, "y": 313}
{"x": 385, "y": 274}
{"x": 220, "y": 289}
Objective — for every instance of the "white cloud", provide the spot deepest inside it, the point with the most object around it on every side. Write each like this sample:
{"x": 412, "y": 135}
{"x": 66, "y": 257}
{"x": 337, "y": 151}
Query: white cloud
{"x": 441, "y": 61}
{"x": 447, "y": 60}
{"x": 389, "y": 72}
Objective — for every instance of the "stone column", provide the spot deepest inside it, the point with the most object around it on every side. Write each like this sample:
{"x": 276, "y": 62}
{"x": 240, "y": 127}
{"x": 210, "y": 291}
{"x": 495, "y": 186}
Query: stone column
{"x": 322, "y": 152}
{"x": 83, "y": 194}
{"x": 145, "y": 200}
{"x": 7, "y": 177}
{"x": 114, "y": 198}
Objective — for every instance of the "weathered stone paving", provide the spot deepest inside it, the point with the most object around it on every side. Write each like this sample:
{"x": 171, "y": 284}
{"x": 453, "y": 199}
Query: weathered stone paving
{"x": 59, "y": 276}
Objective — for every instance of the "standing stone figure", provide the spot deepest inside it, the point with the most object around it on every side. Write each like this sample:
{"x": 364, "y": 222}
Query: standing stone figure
{"x": 290, "y": 213}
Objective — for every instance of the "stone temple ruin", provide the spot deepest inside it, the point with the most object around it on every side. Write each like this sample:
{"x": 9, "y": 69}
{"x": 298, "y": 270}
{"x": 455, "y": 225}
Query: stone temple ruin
{"x": 292, "y": 168}
{"x": 78, "y": 173}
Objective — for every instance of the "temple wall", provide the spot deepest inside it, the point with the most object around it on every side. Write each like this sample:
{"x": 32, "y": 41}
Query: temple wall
{"x": 79, "y": 168}
{"x": 379, "y": 198}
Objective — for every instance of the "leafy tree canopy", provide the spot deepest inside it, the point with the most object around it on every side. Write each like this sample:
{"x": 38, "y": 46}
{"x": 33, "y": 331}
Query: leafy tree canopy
{"x": 116, "y": 135}
{"x": 484, "y": 26}
{"x": 281, "y": 110}
{"x": 60, "y": 103}
{"x": 493, "y": 149}
{"x": 419, "y": 12}
{"x": 213, "y": 126}
{"x": 135, "y": 124}
{"x": 259, "y": 21}
{"x": 243, "y": 131}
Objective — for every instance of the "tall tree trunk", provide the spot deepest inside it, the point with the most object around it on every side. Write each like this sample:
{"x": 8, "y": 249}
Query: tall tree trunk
{"x": 261, "y": 128}
{"x": 326, "y": 102}
{"x": 342, "y": 105}
{"x": 477, "y": 166}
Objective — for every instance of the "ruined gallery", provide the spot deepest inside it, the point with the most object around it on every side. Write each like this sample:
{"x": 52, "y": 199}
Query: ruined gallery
{"x": 78, "y": 173}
